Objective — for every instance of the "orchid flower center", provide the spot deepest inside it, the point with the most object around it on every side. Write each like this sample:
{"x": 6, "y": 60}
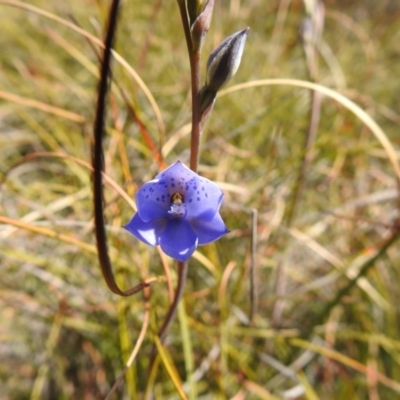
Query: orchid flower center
{"x": 178, "y": 208}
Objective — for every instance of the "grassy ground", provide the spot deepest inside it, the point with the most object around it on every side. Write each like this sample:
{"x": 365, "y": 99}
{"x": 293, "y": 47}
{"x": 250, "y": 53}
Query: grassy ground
{"x": 326, "y": 325}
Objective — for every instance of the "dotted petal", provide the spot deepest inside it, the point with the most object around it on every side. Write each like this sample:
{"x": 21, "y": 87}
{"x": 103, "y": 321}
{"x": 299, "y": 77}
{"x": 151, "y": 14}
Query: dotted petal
{"x": 203, "y": 198}
{"x": 153, "y": 200}
{"x": 175, "y": 177}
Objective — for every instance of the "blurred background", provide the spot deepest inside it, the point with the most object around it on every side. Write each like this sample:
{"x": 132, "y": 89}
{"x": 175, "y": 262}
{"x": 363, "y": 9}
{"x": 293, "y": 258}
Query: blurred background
{"x": 325, "y": 186}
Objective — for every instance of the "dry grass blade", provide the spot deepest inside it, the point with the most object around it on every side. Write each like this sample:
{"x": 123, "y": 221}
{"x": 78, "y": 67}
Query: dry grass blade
{"x": 95, "y": 40}
{"x": 42, "y": 106}
{"x": 346, "y": 102}
{"x": 167, "y": 362}
{"x": 109, "y": 180}
{"x": 48, "y": 232}
{"x": 139, "y": 342}
{"x": 343, "y": 359}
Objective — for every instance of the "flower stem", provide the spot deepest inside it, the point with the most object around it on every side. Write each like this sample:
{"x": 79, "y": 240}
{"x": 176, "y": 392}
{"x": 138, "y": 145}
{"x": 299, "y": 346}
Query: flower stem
{"x": 182, "y": 273}
{"x": 194, "y": 57}
{"x": 162, "y": 333}
{"x": 196, "y": 131}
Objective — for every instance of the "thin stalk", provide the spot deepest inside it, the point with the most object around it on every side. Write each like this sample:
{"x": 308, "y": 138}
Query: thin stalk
{"x": 253, "y": 265}
{"x": 98, "y": 162}
{"x": 146, "y": 297}
{"x": 187, "y": 351}
{"x": 196, "y": 130}
{"x": 182, "y": 274}
{"x": 311, "y": 55}
{"x": 162, "y": 333}
{"x": 194, "y": 58}
{"x": 308, "y": 154}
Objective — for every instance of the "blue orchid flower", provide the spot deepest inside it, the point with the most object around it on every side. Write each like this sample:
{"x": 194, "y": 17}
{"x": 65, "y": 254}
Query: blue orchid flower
{"x": 178, "y": 210}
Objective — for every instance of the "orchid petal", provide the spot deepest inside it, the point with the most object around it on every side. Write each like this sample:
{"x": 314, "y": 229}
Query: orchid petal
{"x": 203, "y": 198}
{"x": 178, "y": 240}
{"x": 153, "y": 200}
{"x": 175, "y": 177}
{"x": 209, "y": 231}
{"x": 147, "y": 232}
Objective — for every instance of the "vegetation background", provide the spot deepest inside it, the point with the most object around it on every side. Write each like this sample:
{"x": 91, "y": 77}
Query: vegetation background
{"x": 326, "y": 261}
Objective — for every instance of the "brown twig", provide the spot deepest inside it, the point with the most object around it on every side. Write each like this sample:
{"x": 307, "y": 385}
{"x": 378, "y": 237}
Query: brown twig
{"x": 98, "y": 162}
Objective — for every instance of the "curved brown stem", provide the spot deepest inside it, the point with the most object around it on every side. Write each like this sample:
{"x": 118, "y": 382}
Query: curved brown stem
{"x": 98, "y": 162}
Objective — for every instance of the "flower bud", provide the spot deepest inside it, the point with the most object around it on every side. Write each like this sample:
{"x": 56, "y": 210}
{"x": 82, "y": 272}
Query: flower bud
{"x": 207, "y": 98}
{"x": 194, "y": 8}
{"x": 224, "y": 61}
{"x": 201, "y": 26}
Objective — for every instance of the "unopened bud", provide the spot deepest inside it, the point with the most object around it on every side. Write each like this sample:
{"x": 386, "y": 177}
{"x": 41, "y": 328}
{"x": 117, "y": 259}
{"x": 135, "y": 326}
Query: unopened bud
{"x": 201, "y": 26}
{"x": 194, "y": 9}
{"x": 224, "y": 61}
{"x": 207, "y": 99}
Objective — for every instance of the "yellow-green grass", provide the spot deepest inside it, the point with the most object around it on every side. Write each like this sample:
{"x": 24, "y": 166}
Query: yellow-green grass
{"x": 326, "y": 325}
